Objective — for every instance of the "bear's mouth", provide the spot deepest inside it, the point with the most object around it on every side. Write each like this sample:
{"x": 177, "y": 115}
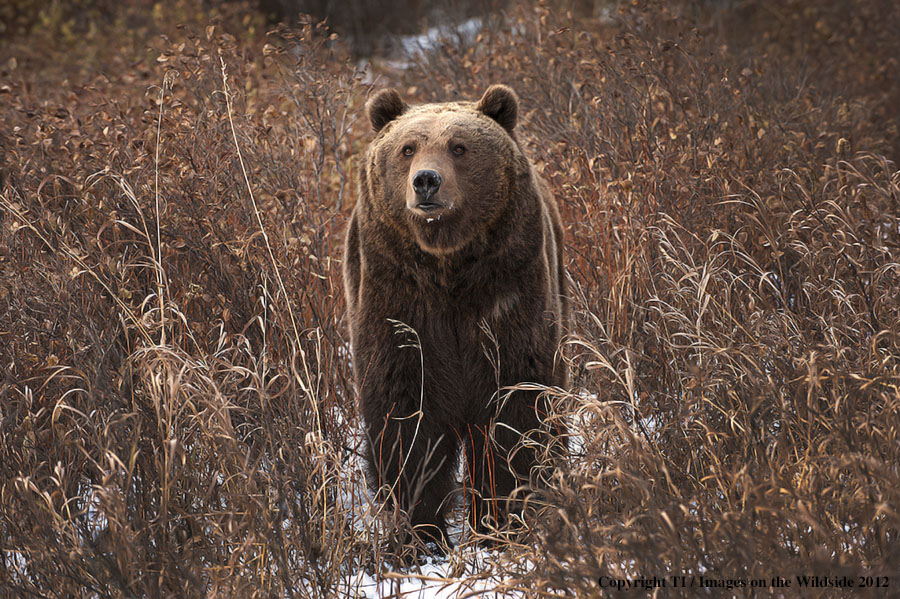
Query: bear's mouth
{"x": 429, "y": 210}
{"x": 428, "y": 207}
{"x": 437, "y": 232}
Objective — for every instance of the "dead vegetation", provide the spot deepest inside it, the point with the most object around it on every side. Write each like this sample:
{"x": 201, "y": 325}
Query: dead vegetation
{"x": 176, "y": 412}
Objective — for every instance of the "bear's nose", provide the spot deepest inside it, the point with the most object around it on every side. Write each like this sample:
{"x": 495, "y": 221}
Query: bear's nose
{"x": 426, "y": 183}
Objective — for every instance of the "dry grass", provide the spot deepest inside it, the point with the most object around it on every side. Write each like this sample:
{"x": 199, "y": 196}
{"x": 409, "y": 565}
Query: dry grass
{"x": 176, "y": 408}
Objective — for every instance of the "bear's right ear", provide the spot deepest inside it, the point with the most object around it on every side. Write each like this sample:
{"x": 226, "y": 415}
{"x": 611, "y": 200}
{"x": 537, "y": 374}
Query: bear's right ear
{"x": 384, "y": 107}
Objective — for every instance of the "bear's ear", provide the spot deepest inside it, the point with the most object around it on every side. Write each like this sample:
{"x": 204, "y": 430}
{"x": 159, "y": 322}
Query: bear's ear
{"x": 384, "y": 107}
{"x": 501, "y": 104}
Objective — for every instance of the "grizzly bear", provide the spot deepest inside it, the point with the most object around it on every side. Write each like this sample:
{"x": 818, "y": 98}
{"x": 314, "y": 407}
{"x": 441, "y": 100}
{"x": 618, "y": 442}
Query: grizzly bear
{"x": 456, "y": 291}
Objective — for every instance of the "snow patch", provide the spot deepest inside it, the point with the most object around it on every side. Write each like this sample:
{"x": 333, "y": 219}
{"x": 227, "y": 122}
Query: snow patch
{"x": 433, "y": 580}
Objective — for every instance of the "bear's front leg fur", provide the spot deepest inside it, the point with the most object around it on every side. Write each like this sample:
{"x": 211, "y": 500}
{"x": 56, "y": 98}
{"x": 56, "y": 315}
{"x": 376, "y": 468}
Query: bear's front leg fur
{"x": 411, "y": 459}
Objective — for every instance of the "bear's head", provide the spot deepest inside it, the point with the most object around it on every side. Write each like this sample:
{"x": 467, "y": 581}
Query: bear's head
{"x": 446, "y": 171}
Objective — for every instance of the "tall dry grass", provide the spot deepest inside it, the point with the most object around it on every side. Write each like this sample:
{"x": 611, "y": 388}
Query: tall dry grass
{"x": 177, "y": 415}
{"x": 176, "y": 411}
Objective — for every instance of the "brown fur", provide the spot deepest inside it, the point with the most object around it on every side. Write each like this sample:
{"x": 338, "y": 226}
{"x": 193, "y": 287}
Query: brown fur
{"x": 483, "y": 287}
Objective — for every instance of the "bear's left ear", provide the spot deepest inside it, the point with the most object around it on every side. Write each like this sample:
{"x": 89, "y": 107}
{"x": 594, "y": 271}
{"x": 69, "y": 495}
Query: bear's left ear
{"x": 384, "y": 107}
{"x": 501, "y": 104}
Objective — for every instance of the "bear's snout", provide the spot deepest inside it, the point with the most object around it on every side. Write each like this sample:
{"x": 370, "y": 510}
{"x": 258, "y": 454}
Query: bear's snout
{"x": 426, "y": 183}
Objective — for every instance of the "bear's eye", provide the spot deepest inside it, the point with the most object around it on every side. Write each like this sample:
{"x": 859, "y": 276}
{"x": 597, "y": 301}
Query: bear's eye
{"x": 408, "y": 150}
{"x": 459, "y": 150}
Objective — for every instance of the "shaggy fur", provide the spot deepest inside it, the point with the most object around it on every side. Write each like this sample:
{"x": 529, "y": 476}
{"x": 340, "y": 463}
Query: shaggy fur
{"x": 475, "y": 272}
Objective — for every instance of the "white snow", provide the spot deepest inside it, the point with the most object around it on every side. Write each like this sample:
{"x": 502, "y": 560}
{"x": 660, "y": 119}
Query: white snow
{"x": 417, "y": 46}
{"x": 433, "y": 580}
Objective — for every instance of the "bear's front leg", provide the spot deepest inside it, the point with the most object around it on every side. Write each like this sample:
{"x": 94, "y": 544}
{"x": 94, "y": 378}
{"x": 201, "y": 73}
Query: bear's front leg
{"x": 411, "y": 455}
{"x": 503, "y": 452}
{"x": 513, "y": 443}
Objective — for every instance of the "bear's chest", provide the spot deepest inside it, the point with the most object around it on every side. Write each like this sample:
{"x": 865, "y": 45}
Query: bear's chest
{"x": 459, "y": 356}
